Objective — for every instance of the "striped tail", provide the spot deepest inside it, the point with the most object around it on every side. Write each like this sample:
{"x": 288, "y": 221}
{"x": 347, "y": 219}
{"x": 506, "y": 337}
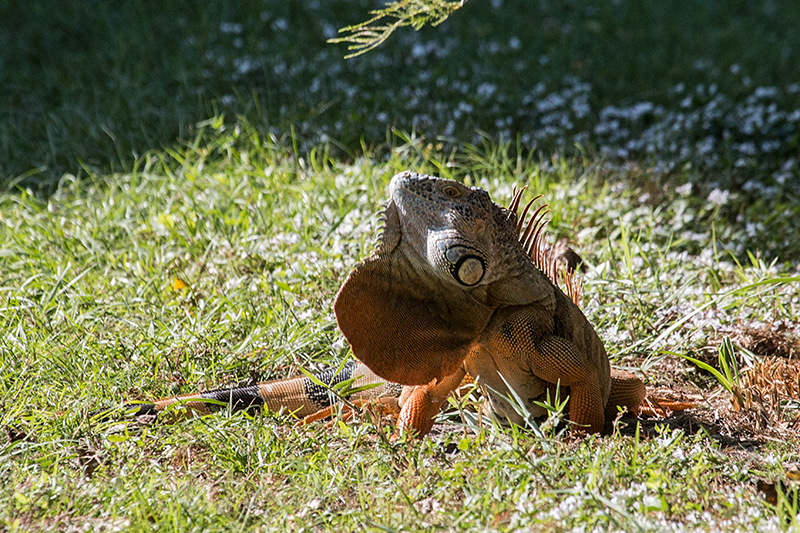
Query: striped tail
{"x": 299, "y": 395}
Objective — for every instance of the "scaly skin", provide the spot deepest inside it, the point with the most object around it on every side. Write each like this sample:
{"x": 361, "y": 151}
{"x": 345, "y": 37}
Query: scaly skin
{"x": 450, "y": 290}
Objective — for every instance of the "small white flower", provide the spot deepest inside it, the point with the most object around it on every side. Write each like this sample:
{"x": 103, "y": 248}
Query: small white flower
{"x": 230, "y": 27}
{"x": 486, "y": 90}
{"x": 718, "y": 197}
{"x": 766, "y": 92}
{"x": 418, "y": 50}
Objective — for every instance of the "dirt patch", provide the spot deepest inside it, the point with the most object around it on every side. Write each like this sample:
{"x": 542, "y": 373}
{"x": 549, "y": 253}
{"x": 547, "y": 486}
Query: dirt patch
{"x": 764, "y": 403}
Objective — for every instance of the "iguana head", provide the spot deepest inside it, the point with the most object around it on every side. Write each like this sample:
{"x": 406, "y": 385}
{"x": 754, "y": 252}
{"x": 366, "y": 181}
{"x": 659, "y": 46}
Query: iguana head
{"x": 448, "y": 258}
{"x": 445, "y": 225}
{"x": 464, "y": 239}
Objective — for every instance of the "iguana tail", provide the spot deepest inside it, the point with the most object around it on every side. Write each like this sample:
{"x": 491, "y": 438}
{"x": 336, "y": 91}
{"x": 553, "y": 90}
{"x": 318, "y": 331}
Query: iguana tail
{"x": 299, "y": 395}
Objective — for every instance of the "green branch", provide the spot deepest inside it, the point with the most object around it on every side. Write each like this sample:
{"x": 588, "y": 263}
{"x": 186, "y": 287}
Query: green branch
{"x": 363, "y": 37}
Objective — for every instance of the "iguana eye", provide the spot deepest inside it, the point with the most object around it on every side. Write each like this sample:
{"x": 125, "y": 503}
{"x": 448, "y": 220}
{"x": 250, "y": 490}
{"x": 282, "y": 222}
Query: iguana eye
{"x": 451, "y": 191}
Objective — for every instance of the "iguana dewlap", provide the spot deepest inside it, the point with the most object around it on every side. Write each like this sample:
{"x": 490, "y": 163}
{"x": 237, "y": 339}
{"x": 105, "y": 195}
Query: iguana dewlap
{"x": 451, "y": 289}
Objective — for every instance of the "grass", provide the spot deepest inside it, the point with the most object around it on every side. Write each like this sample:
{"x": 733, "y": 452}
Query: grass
{"x": 262, "y": 239}
{"x": 227, "y": 146}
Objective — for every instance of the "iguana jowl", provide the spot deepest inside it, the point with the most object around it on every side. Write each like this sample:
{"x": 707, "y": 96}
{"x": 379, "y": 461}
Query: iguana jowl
{"x": 456, "y": 286}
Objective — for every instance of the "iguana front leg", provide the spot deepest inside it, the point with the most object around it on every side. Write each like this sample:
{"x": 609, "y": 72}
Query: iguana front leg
{"x": 421, "y": 404}
{"x": 520, "y": 342}
{"x": 555, "y": 360}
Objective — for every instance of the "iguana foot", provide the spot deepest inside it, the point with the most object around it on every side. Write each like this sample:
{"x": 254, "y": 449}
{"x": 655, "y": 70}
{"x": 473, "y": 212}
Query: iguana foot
{"x": 662, "y": 407}
{"x": 377, "y": 407}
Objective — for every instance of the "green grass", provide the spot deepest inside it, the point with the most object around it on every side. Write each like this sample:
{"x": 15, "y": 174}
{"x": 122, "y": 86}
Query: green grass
{"x": 227, "y": 145}
{"x": 263, "y": 239}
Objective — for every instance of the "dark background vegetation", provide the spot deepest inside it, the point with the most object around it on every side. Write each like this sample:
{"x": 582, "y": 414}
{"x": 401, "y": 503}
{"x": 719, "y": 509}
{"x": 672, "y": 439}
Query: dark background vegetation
{"x": 91, "y": 85}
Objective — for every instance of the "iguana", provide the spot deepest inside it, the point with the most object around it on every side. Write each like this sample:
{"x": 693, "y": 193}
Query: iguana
{"x": 457, "y": 286}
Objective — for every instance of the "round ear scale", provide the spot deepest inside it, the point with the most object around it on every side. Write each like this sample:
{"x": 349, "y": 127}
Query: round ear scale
{"x": 466, "y": 266}
{"x": 469, "y": 270}
{"x": 397, "y": 327}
